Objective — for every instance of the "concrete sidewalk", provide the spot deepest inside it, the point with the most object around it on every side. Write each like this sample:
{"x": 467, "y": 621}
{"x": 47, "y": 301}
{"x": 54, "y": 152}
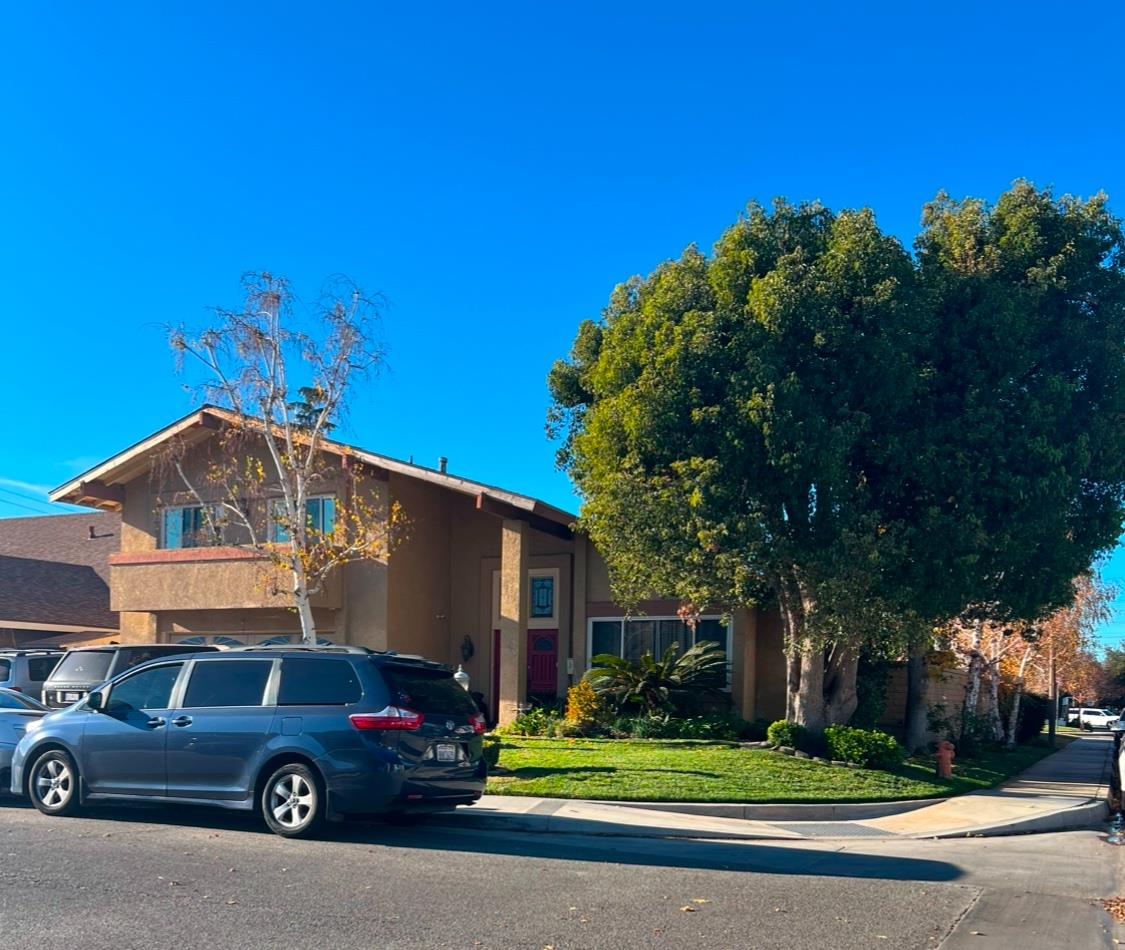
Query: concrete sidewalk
{"x": 1063, "y": 791}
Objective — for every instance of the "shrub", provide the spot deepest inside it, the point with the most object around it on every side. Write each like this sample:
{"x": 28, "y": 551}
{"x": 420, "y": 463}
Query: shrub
{"x": 655, "y": 684}
{"x": 1034, "y": 712}
{"x": 584, "y": 707}
{"x": 491, "y": 749}
{"x": 867, "y": 747}
{"x": 540, "y": 721}
{"x": 787, "y": 734}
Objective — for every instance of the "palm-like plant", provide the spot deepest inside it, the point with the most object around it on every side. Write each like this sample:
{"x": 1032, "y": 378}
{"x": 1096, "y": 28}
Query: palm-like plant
{"x": 653, "y": 683}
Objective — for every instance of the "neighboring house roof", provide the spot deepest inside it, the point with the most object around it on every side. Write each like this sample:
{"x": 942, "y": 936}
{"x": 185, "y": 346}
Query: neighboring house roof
{"x": 41, "y": 595}
{"x": 100, "y": 487}
{"x": 86, "y": 538}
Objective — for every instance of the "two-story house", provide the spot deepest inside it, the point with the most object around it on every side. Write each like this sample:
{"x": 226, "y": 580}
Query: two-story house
{"x": 485, "y": 577}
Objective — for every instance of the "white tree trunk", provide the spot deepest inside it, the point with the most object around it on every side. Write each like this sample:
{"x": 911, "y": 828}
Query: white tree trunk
{"x": 304, "y": 609}
{"x": 972, "y": 692}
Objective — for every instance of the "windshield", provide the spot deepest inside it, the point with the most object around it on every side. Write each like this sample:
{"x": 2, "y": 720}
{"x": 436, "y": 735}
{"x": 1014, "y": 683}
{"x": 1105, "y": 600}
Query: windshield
{"x": 83, "y": 666}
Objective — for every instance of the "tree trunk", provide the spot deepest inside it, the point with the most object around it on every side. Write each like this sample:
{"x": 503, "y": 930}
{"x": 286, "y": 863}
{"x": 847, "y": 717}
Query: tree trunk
{"x": 917, "y": 679}
{"x": 804, "y": 699}
{"x": 972, "y": 691}
{"x": 808, "y": 705}
{"x": 995, "y": 722}
{"x": 840, "y": 693}
{"x": 304, "y": 609}
{"x": 1014, "y": 715}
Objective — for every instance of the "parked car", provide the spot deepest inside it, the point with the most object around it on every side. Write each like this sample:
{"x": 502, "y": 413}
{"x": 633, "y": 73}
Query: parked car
{"x": 27, "y": 670}
{"x": 1091, "y": 719}
{"x": 300, "y": 734}
{"x": 81, "y": 670}
{"x": 16, "y": 711}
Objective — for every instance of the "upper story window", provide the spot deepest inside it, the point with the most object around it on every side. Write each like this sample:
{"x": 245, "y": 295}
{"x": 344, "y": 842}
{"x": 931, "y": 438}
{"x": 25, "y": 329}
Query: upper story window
{"x": 320, "y": 517}
{"x": 186, "y": 527}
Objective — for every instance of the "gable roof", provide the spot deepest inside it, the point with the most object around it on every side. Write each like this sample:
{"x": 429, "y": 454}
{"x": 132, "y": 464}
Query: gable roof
{"x": 101, "y": 486}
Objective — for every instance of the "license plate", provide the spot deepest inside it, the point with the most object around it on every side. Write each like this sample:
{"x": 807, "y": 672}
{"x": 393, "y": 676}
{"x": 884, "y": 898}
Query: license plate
{"x": 71, "y": 697}
{"x": 445, "y": 752}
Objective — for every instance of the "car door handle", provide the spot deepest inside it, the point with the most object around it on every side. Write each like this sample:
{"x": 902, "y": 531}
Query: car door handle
{"x": 182, "y": 721}
{"x": 155, "y": 722}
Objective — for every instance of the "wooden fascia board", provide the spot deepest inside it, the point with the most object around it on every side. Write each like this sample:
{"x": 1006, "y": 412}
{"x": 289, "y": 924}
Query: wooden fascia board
{"x": 502, "y": 509}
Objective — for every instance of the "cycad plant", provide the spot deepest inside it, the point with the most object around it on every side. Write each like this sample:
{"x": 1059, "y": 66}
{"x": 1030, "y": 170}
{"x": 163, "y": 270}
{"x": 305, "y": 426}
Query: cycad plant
{"x": 653, "y": 684}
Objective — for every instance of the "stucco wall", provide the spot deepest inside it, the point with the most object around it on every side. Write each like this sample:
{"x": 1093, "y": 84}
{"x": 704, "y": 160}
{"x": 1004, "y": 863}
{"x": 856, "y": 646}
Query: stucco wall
{"x": 418, "y": 587}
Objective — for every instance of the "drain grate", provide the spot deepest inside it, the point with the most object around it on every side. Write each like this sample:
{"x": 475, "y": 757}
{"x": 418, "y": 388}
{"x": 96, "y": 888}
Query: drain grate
{"x": 832, "y": 829}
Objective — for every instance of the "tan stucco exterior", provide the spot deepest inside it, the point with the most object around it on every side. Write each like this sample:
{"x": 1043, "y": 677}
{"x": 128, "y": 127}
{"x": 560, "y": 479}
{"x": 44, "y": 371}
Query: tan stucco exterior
{"x": 457, "y": 580}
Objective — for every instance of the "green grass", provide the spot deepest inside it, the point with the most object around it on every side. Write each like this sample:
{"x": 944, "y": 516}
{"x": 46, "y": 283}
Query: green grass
{"x": 630, "y": 770}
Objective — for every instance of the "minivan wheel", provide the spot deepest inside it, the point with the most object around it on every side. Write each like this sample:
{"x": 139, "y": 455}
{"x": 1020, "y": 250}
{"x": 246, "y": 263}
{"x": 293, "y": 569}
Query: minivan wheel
{"x": 53, "y": 784}
{"x": 292, "y": 802}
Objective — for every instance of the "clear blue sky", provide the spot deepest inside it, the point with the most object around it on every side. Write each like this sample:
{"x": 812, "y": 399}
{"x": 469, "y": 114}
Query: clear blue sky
{"x": 493, "y": 169}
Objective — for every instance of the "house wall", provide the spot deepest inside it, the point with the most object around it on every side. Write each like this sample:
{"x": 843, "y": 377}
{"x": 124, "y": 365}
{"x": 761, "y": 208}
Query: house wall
{"x": 418, "y": 572}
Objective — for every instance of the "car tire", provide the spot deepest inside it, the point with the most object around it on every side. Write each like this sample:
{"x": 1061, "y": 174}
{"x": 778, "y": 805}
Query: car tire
{"x": 52, "y": 784}
{"x": 293, "y": 801}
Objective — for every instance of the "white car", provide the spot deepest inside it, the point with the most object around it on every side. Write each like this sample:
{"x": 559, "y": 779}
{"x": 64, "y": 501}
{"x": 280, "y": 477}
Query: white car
{"x": 1091, "y": 719}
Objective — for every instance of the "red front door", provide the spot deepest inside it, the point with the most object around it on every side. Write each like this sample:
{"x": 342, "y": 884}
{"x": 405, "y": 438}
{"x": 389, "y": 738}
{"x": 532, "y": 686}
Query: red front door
{"x": 542, "y": 662}
{"x": 542, "y": 665}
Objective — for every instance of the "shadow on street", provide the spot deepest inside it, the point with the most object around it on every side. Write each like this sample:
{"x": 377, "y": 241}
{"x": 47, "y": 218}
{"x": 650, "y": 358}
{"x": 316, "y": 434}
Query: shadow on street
{"x": 701, "y": 854}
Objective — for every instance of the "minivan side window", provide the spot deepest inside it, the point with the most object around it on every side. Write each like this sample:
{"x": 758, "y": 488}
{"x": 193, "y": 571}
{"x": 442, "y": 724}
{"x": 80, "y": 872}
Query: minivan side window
{"x": 227, "y": 683}
{"x": 319, "y": 681}
{"x": 5, "y": 670}
{"x": 148, "y": 689}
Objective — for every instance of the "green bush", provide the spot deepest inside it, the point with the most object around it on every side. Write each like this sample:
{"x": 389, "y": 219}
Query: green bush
{"x": 787, "y": 734}
{"x": 714, "y": 726}
{"x": 540, "y": 721}
{"x": 868, "y": 747}
{"x": 491, "y": 749}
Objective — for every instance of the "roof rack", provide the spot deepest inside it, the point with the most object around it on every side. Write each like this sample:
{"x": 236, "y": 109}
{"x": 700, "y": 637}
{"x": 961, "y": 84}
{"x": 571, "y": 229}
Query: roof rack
{"x": 33, "y": 651}
{"x": 300, "y": 648}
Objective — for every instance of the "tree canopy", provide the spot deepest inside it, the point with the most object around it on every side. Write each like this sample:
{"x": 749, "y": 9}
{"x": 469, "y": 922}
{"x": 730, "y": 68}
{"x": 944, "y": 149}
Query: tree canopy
{"x": 876, "y": 440}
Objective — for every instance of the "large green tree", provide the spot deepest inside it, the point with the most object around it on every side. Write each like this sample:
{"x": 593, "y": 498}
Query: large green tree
{"x": 813, "y": 415}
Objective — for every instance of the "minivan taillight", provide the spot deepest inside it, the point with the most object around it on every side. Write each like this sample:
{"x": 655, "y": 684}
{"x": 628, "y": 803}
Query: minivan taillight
{"x": 478, "y": 724}
{"x": 392, "y": 717}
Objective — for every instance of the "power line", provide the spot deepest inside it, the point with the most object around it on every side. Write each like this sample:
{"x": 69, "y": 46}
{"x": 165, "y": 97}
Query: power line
{"x": 26, "y": 497}
{"x": 16, "y": 504}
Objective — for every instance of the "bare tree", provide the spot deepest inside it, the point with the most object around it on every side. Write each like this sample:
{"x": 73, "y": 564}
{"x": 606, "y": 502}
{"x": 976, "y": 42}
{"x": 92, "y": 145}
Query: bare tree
{"x": 282, "y": 372}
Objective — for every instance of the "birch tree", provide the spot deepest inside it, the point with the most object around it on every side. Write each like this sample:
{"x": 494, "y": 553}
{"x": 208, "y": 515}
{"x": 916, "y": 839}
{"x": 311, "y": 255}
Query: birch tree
{"x": 281, "y": 374}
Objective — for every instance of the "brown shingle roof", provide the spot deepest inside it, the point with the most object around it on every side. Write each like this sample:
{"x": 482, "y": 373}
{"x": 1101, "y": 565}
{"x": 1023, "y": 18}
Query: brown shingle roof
{"x": 55, "y": 569}
{"x": 65, "y": 539}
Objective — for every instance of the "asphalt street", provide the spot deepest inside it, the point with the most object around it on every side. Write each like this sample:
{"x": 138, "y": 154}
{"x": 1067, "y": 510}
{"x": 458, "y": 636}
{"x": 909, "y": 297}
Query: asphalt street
{"x": 154, "y": 878}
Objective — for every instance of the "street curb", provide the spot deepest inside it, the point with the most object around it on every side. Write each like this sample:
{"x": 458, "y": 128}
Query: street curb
{"x": 851, "y": 811}
{"x": 552, "y": 824}
{"x": 1063, "y": 819}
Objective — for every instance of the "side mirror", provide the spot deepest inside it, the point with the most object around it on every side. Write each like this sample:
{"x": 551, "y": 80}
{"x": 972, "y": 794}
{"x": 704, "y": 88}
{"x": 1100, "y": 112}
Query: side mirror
{"x": 96, "y": 702}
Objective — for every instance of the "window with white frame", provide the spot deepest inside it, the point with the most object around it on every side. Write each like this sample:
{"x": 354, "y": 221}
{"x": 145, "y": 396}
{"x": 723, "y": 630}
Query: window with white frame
{"x": 631, "y": 638}
{"x": 186, "y": 526}
{"x": 320, "y": 517}
{"x": 245, "y": 640}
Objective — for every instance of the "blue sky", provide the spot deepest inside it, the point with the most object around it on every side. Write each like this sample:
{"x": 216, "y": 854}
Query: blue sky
{"x": 492, "y": 169}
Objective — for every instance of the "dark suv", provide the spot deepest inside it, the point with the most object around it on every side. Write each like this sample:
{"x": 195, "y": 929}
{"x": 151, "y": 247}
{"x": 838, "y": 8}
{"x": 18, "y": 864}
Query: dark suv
{"x": 302, "y": 734}
{"x": 79, "y": 671}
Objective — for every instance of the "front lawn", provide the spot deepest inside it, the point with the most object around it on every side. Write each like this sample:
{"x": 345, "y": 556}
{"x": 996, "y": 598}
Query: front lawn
{"x": 631, "y": 770}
